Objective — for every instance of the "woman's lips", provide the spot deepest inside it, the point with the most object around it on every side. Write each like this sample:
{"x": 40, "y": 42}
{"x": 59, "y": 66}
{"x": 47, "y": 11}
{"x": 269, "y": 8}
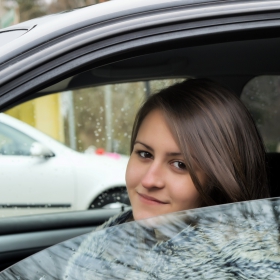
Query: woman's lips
{"x": 150, "y": 200}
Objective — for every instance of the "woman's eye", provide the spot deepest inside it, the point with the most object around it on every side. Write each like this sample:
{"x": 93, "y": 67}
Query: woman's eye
{"x": 179, "y": 165}
{"x": 144, "y": 154}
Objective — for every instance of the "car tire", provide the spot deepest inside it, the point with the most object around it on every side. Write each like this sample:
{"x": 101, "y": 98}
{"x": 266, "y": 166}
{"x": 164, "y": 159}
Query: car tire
{"x": 111, "y": 199}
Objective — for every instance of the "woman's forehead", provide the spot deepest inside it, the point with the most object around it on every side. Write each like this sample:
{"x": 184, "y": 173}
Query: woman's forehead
{"x": 154, "y": 131}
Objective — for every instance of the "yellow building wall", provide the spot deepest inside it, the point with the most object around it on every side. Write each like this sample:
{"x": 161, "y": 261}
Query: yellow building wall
{"x": 42, "y": 113}
{"x": 24, "y": 112}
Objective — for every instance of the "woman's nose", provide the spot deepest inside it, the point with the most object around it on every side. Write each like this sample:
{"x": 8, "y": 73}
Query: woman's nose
{"x": 154, "y": 176}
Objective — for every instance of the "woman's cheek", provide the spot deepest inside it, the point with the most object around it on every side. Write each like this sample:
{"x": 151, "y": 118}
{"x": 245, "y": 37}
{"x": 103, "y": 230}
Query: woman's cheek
{"x": 131, "y": 172}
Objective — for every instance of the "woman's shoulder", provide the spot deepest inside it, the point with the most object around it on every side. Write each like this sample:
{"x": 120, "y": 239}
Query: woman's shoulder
{"x": 92, "y": 240}
{"x": 93, "y": 246}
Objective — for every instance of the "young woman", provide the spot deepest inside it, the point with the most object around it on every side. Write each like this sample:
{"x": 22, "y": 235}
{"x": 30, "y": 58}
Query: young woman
{"x": 193, "y": 144}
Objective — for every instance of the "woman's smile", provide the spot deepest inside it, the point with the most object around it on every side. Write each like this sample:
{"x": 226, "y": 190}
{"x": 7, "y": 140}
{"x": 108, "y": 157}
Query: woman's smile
{"x": 150, "y": 200}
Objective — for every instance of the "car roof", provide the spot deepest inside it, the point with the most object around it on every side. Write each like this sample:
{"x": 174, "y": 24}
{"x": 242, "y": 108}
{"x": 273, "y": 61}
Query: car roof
{"x": 107, "y": 10}
{"x": 52, "y": 26}
{"x": 52, "y": 39}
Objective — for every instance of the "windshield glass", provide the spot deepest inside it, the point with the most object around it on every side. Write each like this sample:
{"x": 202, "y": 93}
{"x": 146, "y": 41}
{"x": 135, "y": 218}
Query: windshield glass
{"x": 14, "y": 142}
{"x": 230, "y": 241}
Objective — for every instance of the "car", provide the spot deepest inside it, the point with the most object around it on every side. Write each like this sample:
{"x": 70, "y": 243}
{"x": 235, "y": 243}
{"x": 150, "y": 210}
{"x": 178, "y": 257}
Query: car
{"x": 133, "y": 47}
{"x": 61, "y": 179}
{"x": 238, "y": 240}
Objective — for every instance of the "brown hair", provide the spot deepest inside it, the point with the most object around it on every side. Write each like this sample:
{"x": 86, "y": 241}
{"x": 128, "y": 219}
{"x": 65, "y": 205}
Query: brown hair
{"x": 215, "y": 133}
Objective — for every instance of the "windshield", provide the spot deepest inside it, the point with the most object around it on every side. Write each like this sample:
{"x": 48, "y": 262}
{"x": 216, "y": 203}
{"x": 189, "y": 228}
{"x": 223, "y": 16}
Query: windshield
{"x": 231, "y": 241}
{"x": 13, "y": 142}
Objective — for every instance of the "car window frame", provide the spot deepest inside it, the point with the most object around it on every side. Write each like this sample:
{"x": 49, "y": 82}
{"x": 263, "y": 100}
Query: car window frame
{"x": 21, "y": 86}
{"x": 56, "y": 66}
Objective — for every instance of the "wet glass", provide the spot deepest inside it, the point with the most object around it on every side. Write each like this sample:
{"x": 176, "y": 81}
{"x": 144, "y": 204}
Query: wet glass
{"x": 95, "y": 123}
{"x": 230, "y": 241}
{"x": 91, "y": 118}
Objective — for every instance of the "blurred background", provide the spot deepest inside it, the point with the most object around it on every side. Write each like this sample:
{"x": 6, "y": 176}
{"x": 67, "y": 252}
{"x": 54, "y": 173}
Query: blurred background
{"x": 87, "y": 119}
{"x": 15, "y": 11}
{"x": 102, "y": 117}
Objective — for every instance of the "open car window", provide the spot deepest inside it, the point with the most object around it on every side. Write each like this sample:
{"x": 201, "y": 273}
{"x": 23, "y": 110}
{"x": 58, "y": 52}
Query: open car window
{"x": 91, "y": 117}
{"x": 92, "y": 113}
{"x": 85, "y": 167}
{"x": 231, "y": 241}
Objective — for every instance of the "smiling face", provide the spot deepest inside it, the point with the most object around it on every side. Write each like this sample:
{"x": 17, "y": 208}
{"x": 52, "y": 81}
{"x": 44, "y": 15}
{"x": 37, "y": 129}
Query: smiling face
{"x": 156, "y": 177}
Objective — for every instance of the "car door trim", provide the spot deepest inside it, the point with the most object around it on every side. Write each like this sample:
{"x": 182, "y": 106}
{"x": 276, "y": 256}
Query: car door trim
{"x": 35, "y": 205}
{"x": 127, "y": 24}
{"x": 66, "y": 65}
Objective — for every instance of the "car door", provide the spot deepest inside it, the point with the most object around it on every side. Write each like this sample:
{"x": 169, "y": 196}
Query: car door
{"x": 230, "y": 241}
{"x": 32, "y": 184}
{"x": 222, "y": 41}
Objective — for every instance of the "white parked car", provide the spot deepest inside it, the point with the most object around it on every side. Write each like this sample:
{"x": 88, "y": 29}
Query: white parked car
{"x": 39, "y": 174}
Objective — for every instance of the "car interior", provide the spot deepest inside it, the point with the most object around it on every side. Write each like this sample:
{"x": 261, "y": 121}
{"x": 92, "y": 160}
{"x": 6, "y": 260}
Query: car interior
{"x": 232, "y": 64}
{"x": 232, "y": 60}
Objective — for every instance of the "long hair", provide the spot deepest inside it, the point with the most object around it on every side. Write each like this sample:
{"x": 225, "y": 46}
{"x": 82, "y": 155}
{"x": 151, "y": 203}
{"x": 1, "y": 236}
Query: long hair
{"x": 215, "y": 133}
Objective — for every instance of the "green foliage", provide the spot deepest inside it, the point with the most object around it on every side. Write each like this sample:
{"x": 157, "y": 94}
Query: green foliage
{"x": 29, "y": 9}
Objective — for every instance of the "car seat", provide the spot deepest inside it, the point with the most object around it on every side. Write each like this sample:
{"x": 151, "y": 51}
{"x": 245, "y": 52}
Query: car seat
{"x": 273, "y": 172}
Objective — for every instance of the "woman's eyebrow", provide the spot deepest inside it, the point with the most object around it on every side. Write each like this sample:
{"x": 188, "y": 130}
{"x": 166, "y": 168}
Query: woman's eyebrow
{"x": 174, "y": 154}
{"x": 151, "y": 149}
{"x": 145, "y": 145}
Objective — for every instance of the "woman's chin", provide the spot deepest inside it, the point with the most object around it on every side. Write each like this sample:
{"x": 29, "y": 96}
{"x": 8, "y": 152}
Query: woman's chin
{"x": 151, "y": 220}
{"x": 143, "y": 215}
